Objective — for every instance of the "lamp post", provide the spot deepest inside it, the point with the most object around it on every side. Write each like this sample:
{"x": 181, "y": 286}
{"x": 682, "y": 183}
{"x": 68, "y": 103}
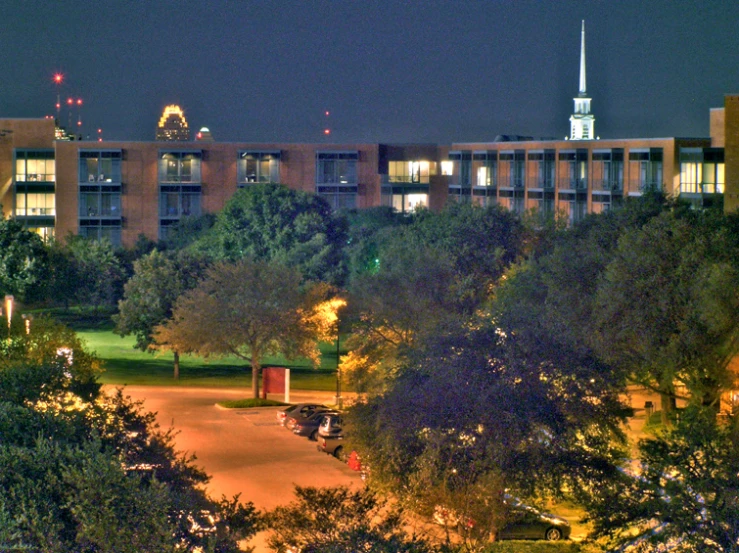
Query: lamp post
{"x": 338, "y": 368}
{"x": 9, "y": 311}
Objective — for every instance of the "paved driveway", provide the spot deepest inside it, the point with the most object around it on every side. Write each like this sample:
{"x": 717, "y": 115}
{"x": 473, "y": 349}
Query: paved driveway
{"x": 244, "y": 450}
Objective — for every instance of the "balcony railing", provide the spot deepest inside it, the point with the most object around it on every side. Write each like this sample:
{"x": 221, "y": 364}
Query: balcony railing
{"x": 35, "y": 177}
{"x": 547, "y": 184}
{"x": 35, "y": 211}
{"x": 639, "y": 185}
{"x": 574, "y": 184}
{"x": 607, "y": 185}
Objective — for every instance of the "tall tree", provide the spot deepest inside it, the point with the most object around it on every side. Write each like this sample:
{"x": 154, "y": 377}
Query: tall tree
{"x": 478, "y": 412}
{"x": 99, "y": 274}
{"x": 667, "y": 307}
{"x": 249, "y": 309}
{"x": 150, "y": 294}
{"x": 682, "y": 493}
{"x": 270, "y": 222}
{"x": 82, "y": 471}
{"x": 392, "y": 310}
{"x": 23, "y": 260}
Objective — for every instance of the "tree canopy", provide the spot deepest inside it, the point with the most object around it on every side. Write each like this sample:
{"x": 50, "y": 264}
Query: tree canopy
{"x": 150, "y": 294}
{"x": 23, "y": 260}
{"x": 249, "y": 309}
{"x": 270, "y": 222}
{"x": 481, "y": 408}
{"x": 86, "y": 472}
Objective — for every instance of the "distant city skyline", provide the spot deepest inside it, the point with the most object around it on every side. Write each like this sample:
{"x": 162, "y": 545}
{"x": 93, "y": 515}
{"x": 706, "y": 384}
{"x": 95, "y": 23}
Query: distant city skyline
{"x": 387, "y": 71}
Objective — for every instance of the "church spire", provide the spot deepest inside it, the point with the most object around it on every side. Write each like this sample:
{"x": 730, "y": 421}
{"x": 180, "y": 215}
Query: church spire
{"x": 583, "y": 87}
{"x": 582, "y": 122}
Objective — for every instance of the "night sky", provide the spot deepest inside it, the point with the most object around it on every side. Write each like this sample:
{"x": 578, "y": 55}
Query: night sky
{"x": 388, "y": 71}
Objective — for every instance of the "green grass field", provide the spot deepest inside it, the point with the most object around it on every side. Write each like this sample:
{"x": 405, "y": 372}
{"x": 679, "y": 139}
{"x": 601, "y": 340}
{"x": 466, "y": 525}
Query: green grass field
{"x": 124, "y": 364}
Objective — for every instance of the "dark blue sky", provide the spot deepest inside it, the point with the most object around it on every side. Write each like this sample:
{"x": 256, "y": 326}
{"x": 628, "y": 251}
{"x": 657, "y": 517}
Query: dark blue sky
{"x": 389, "y": 71}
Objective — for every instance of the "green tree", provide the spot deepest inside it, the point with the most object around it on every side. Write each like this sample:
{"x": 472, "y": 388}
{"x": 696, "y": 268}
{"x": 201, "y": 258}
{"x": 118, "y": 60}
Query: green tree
{"x": 249, "y": 309}
{"x": 478, "y": 412}
{"x": 367, "y": 228}
{"x": 270, "y": 222}
{"x": 338, "y": 520}
{"x": 99, "y": 274}
{"x": 85, "y": 472}
{"x": 23, "y": 261}
{"x": 683, "y": 494}
{"x": 667, "y": 309}
{"x": 395, "y": 309}
{"x": 150, "y": 294}
{"x": 188, "y": 230}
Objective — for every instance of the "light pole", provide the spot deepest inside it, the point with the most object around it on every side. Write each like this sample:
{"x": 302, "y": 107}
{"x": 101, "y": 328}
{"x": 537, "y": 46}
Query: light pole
{"x": 9, "y": 311}
{"x": 338, "y": 368}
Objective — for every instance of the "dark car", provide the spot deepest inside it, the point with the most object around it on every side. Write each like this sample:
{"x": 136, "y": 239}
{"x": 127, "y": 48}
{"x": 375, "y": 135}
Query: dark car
{"x": 526, "y": 523}
{"x": 530, "y": 524}
{"x": 299, "y": 409}
{"x": 308, "y": 426}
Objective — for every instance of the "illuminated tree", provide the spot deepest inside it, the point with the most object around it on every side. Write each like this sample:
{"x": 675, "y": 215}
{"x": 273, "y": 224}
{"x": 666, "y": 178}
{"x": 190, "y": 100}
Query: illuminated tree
{"x": 249, "y": 309}
{"x": 476, "y": 412}
{"x": 82, "y": 471}
{"x": 23, "y": 260}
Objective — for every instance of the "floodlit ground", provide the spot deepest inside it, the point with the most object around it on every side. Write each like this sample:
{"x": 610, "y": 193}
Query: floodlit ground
{"x": 244, "y": 450}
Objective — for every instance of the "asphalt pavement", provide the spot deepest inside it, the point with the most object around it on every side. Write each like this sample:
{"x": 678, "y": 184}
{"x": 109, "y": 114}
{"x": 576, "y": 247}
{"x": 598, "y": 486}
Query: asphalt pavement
{"x": 244, "y": 450}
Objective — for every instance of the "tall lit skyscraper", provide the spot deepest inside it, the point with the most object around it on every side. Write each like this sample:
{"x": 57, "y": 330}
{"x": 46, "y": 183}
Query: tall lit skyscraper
{"x": 172, "y": 125}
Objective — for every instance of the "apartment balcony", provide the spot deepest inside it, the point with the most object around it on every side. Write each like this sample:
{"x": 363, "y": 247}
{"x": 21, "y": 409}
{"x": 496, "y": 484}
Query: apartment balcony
{"x": 607, "y": 185}
{"x": 574, "y": 184}
{"x": 640, "y": 186}
{"x": 542, "y": 184}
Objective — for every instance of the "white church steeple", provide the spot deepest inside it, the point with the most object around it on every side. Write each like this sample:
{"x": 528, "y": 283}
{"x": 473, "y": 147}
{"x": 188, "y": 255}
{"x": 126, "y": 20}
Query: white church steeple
{"x": 582, "y": 122}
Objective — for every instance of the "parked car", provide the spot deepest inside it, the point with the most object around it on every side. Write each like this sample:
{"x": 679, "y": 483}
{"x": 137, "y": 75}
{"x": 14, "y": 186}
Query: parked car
{"x": 526, "y": 523}
{"x": 332, "y": 445}
{"x": 295, "y": 418}
{"x": 308, "y": 426}
{"x": 331, "y": 426}
{"x": 299, "y": 409}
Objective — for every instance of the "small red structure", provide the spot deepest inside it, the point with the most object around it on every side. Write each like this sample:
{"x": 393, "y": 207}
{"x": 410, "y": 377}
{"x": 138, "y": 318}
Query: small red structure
{"x": 275, "y": 380}
{"x": 354, "y": 462}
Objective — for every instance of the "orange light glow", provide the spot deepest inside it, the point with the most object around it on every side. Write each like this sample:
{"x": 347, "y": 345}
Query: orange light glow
{"x": 327, "y": 113}
{"x": 58, "y": 78}
{"x": 70, "y": 101}
{"x": 79, "y": 101}
{"x": 326, "y": 131}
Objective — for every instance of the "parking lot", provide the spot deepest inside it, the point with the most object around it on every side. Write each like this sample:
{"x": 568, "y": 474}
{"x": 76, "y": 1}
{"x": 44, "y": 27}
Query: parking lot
{"x": 244, "y": 450}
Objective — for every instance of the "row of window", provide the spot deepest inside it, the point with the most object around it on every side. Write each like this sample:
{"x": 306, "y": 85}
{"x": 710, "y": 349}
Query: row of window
{"x": 570, "y": 169}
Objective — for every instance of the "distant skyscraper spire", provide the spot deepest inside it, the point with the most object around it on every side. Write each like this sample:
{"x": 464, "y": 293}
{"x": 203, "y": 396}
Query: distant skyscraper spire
{"x": 582, "y": 122}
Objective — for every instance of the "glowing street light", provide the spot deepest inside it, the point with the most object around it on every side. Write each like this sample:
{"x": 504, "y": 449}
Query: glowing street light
{"x": 9, "y": 310}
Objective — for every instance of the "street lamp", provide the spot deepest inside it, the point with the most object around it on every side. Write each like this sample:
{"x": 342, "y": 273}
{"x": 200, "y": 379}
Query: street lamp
{"x": 9, "y": 311}
{"x": 338, "y": 369}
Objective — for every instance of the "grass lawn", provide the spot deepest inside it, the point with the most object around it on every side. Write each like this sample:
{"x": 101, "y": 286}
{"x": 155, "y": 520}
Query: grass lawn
{"x": 125, "y": 365}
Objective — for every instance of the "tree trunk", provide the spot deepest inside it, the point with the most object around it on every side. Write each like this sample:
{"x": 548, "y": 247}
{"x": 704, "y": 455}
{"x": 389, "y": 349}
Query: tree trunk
{"x": 176, "y": 365}
{"x": 255, "y": 369}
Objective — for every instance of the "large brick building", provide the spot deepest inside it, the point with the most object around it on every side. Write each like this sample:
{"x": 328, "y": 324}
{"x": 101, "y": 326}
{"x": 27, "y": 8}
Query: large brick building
{"x": 122, "y": 189}
{"x": 119, "y": 190}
